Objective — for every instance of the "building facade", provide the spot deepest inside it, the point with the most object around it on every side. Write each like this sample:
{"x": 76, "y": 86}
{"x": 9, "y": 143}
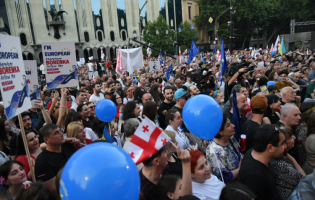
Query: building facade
{"x": 94, "y": 25}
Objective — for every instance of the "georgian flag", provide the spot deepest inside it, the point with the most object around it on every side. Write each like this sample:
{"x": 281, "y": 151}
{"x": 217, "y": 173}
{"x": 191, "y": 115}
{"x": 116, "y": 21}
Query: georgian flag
{"x": 271, "y": 50}
{"x": 180, "y": 58}
{"x": 185, "y": 52}
{"x": 218, "y": 56}
{"x": 267, "y": 50}
{"x": 120, "y": 67}
{"x": 277, "y": 44}
{"x": 163, "y": 86}
{"x": 147, "y": 140}
{"x": 102, "y": 54}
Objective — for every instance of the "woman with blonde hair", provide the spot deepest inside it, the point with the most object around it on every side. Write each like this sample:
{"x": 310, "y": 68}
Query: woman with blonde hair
{"x": 172, "y": 159}
{"x": 76, "y": 130}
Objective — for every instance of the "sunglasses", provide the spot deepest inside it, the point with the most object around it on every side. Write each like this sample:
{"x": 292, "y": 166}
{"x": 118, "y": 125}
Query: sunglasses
{"x": 92, "y": 107}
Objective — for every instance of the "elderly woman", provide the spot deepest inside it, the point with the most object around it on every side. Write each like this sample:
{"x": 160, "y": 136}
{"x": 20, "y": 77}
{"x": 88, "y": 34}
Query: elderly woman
{"x": 204, "y": 184}
{"x": 287, "y": 171}
{"x": 223, "y": 154}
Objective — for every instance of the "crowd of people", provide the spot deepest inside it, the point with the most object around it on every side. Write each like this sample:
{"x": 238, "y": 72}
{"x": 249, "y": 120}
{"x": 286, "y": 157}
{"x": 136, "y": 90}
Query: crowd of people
{"x": 274, "y": 159}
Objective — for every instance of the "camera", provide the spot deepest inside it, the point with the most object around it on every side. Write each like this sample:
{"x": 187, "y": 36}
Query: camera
{"x": 237, "y": 66}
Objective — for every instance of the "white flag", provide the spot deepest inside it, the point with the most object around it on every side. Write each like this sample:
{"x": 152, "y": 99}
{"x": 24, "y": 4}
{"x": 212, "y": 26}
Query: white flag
{"x": 277, "y": 44}
{"x": 102, "y": 54}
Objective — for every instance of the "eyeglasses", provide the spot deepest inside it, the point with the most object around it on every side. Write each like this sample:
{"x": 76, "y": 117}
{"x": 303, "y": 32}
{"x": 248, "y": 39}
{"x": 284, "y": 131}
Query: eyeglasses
{"x": 91, "y": 107}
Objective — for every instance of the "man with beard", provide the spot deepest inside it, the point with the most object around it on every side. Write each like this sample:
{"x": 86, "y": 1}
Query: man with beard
{"x": 167, "y": 104}
{"x": 119, "y": 90}
{"x": 81, "y": 98}
{"x": 97, "y": 95}
{"x": 193, "y": 90}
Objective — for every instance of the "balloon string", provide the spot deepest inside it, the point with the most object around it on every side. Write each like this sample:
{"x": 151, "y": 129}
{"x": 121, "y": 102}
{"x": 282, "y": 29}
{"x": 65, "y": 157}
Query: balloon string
{"x": 217, "y": 161}
{"x": 173, "y": 144}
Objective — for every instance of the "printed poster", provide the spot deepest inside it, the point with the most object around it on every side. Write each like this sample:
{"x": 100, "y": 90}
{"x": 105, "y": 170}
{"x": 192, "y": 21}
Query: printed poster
{"x": 13, "y": 81}
{"x": 61, "y": 65}
{"x": 32, "y": 80}
{"x": 155, "y": 65}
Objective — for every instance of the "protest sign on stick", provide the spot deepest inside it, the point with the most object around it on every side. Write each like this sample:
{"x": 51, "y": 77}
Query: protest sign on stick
{"x": 155, "y": 65}
{"x": 32, "y": 80}
{"x": 61, "y": 66}
{"x": 13, "y": 81}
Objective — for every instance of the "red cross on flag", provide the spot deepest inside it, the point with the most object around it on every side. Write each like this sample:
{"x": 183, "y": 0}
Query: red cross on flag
{"x": 147, "y": 140}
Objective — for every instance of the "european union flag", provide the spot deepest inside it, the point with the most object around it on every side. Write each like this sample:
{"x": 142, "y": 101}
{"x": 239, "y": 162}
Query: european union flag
{"x": 193, "y": 52}
{"x": 165, "y": 58}
{"x": 169, "y": 72}
{"x": 213, "y": 51}
{"x": 236, "y": 119}
{"x": 223, "y": 62}
{"x": 161, "y": 58}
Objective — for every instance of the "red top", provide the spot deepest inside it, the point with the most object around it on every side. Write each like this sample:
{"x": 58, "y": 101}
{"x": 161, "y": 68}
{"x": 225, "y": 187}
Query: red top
{"x": 24, "y": 161}
{"x": 49, "y": 104}
{"x": 88, "y": 141}
{"x": 117, "y": 114}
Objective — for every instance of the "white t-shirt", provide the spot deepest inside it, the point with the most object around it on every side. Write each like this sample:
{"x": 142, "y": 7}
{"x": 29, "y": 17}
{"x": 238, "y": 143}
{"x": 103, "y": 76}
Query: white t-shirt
{"x": 91, "y": 68}
{"x": 74, "y": 107}
{"x": 126, "y": 100}
{"x": 209, "y": 190}
{"x": 90, "y": 134}
{"x": 180, "y": 137}
{"x": 96, "y": 99}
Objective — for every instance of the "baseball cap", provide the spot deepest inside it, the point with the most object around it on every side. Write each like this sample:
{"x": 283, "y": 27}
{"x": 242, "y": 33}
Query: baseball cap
{"x": 179, "y": 93}
{"x": 259, "y": 102}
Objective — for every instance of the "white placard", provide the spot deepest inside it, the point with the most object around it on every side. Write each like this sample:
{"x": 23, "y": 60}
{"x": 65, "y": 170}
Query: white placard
{"x": 135, "y": 59}
{"x": 155, "y": 65}
{"x": 95, "y": 73}
{"x": 61, "y": 65}
{"x": 82, "y": 61}
{"x": 261, "y": 64}
{"x": 13, "y": 81}
{"x": 32, "y": 80}
{"x": 250, "y": 48}
{"x": 185, "y": 59}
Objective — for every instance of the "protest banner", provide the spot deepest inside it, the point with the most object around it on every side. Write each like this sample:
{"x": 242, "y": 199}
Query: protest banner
{"x": 61, "y": 65}
{"x": 155, "y": 65}
{"x": 32, "y": 80}
{"x": 14, "y": 85}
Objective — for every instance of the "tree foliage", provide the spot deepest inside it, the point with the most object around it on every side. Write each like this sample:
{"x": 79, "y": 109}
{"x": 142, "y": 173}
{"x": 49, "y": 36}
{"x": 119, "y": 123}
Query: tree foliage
{"x": 187, "y": 34}
{"x": 254, "y": 17}
{"x": 162, "y": 40}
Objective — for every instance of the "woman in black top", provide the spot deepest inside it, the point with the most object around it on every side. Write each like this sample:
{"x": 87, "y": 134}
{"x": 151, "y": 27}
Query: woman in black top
{"x": 5, "y": 136}
{"x": 272, "y": 115}
{"x": 84, "y": 111}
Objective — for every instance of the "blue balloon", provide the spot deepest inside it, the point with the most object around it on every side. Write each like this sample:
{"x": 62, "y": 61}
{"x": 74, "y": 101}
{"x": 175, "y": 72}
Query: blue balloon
{"x": 106, "y": 110}
{"x": 203, "y": 116}
{"x": 273, "y": 53}
{"x": 271, "y": 83}
{"x": 100, "y": 170}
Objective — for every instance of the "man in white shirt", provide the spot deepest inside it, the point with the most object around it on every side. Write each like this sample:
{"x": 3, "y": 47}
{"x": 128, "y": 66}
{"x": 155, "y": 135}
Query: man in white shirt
{"x": 91, "y": 68}
{"x": 97, "y": 95}
{"x": 81, "y": 98}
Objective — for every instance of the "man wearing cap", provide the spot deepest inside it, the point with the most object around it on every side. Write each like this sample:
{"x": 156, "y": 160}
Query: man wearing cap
{"x": 259, "y": 105}
{"x": 108, "y": 94}
{"x": 181, "y": 97}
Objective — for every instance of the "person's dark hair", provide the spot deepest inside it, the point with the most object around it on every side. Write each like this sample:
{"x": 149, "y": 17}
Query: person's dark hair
{"x": 98, "y": 127}
{"x": 158, "y": 80}
{"x": 148, "y": 162}
{"x": 151, "y": 80}
{"x": 158, "y": 97}
{"x": 79, "y": 91}
{"x": 128, "y": 110}
{"x": 262, "y": 81}
{"x": 37, "y": 191}
{"x": 47, "y": 93}
{"x": 287, "y": 131}
{"x": 224, "y": 121}
{"x": 170, "y": 116}
{"x": 236, "y": 191}
{"x": 165, "y": 185}
{"x": 167, "y": 88}
{"x": 20, "y": 148}
{"x": 271, "y": 75}
{"x": 80, "y": 107}
{"x": 45, "y": 131}
{"x": 116, "y": 82}
{"x": 113, "y": 98}
{"x": 137, "y": 92}
{"x": 71, "y": 117}
{"x": 270, "y": 99}
{"x": 6, "y": 168}
{"x": 310, "y": 124}
{"x": 95, "y": 85}
{"x": 82, "y": 85}
{"x": 3, "y": 135}
{"x": 265, "y": 135}
{"x": 304, "y": 107}
{"x": 283, "y": 72}
{"x": 149, "y": 110}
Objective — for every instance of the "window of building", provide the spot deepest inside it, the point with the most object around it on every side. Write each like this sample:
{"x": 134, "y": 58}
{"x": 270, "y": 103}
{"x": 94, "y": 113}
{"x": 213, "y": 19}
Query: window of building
{"x": 23, "y": 39}
{"x": 123, "y": 35}
{"x": 189, "y": 12}
{"x": 86, "y": 37}
{"x": 112, "y": 35}
{"x": 100, "y": 36}
{"x": 30, "y": 56}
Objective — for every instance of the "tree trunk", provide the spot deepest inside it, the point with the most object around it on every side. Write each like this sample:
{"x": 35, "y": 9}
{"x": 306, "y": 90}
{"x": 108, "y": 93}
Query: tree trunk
{"x": 275, "y": 31}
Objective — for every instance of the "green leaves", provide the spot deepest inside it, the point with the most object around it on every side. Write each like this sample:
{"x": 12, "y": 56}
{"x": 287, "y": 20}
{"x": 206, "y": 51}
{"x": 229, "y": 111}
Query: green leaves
{"x": 187, "y": 34}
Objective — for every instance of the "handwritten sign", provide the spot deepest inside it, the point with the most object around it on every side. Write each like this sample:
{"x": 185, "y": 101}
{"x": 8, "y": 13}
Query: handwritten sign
{"x": 61, "y": 66}
{"x": 13, "y": 81}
